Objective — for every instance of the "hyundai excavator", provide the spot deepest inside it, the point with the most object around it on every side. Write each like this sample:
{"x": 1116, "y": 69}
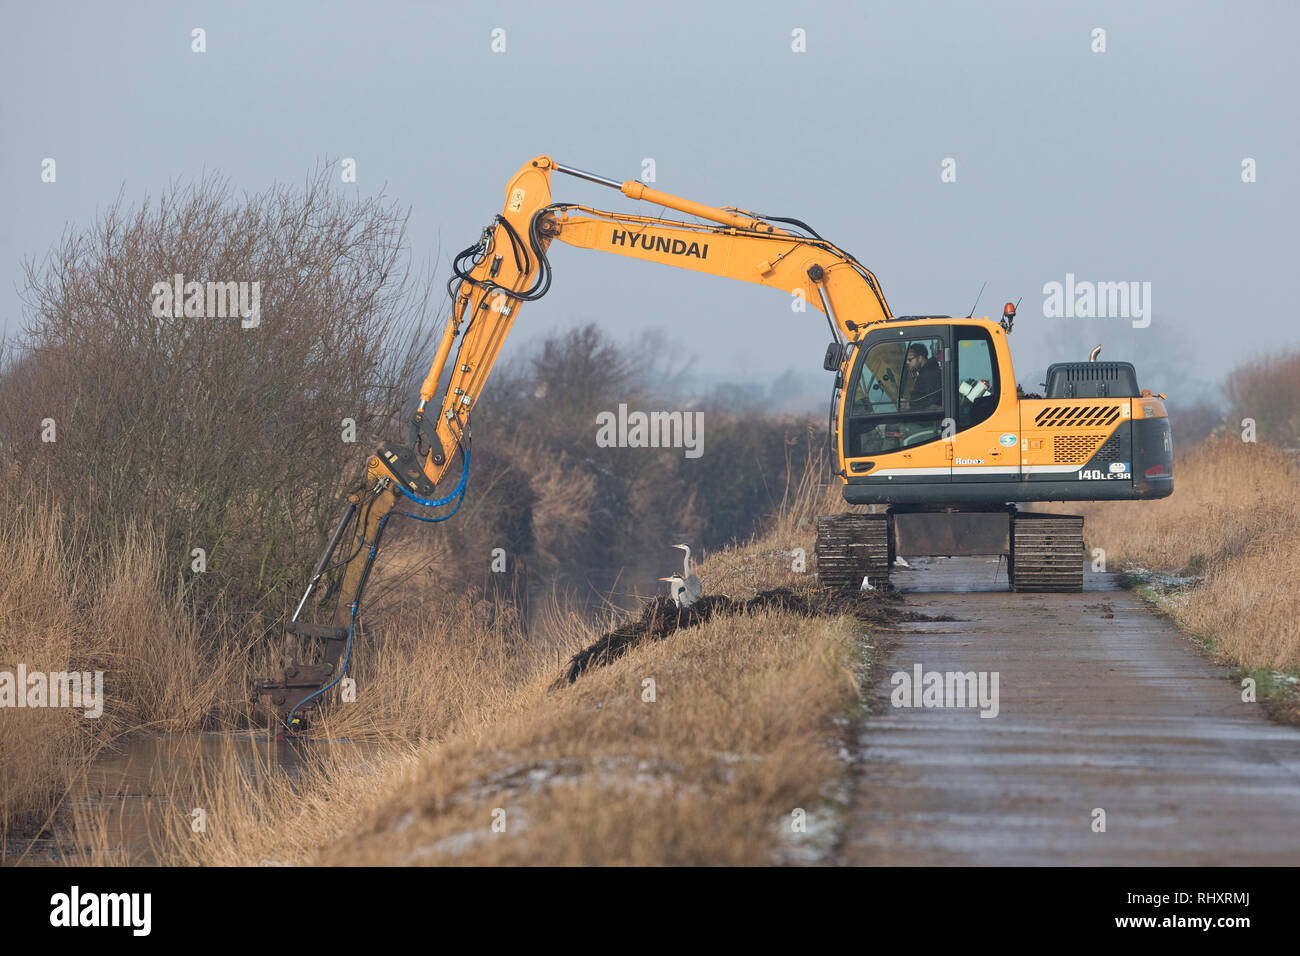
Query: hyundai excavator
{"x": 926, "y": 418}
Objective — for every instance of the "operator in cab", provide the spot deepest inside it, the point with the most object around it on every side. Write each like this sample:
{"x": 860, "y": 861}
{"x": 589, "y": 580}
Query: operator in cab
{"x": 922, "y": 382}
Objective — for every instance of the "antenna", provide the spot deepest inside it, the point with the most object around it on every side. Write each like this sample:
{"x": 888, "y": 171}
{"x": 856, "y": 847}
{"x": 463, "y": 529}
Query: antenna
{"x": 977, "y": 299}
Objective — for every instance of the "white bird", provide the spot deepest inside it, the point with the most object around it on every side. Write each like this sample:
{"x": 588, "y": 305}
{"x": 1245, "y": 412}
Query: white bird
{"x": 694, "y": 588}
{"x": 677, "y": 590}
{"x": 867, "y": 585}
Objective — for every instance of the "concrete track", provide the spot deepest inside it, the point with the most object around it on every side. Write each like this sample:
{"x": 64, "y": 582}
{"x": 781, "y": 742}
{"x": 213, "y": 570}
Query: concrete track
{"x": 1101, "y": 705}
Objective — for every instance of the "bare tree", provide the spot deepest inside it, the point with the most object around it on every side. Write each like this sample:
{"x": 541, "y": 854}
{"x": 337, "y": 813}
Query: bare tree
{"x": 1268, "y": 391}
{"x": 223, "y": 416}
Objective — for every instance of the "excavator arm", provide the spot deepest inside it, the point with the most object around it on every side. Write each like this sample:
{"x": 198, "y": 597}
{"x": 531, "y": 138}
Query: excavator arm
{"x": 509, "y": 266}
{"x": 493, "y": 278}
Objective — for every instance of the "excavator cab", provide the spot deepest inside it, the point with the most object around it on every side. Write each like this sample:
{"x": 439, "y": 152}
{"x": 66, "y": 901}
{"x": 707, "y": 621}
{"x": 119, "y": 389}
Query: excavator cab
{"x": 924, "y": 392}
{"x": 952, "y": 468}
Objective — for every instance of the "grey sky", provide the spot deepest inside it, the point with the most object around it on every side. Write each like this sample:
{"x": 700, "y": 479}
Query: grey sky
{"x": 1124, "y": 165}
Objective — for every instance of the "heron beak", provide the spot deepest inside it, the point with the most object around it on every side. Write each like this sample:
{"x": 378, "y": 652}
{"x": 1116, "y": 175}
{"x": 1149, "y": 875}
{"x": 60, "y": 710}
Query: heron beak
{"x": 665, "y": 579}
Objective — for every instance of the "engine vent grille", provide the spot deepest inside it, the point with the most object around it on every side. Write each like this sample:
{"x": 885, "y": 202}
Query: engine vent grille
{"x": 1110, "y": 450}
{"x": 1075, "y": 449}
{"x": 1098, "y": 372}
{"x": 1091, "y": 380}
{"x": 1077, "y": 416}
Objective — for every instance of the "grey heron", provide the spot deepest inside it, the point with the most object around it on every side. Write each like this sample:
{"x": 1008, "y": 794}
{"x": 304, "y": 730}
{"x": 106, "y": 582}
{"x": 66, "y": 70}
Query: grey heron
{"x": 677, "y": 590}
{"x": 694, "y": 589}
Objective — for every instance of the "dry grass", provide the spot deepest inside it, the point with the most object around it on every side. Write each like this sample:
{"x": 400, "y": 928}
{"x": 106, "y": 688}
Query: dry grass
{"x": 261, "y": 804}
{"x": 435, "y": 669}
{"x": 421, "y": 671}
{"x": 741, "y": 733}
{"x": 743, "y": 730}
{"x": 1234, "y": 517}
{"x": 59, "y": 614}
{"x": 39, "y": 748}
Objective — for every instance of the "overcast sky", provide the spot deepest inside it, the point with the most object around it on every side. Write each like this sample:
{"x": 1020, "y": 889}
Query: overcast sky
{"x": 1124, "y": 165}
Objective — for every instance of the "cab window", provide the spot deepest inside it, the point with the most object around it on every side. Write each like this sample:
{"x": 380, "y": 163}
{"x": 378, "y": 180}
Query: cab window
{"x": 898, "y": 396}
{"x": 977, "y": 377}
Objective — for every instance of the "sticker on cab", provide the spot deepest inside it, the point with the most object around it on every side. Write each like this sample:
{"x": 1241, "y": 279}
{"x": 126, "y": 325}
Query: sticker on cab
{"x": 1118, "y": 466}
{"x": 1007, "y": 440}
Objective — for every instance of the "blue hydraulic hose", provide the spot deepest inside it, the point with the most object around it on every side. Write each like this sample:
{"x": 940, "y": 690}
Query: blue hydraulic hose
{"x": 347, "y": 652}
{"x": 459, "y": 497}
{"x": 342, "y": 670}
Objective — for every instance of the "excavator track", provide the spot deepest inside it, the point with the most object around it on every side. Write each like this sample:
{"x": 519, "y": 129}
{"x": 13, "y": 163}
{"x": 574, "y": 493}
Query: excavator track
{"x": 851, "y": 547}
{"x": 1046, "y": 552}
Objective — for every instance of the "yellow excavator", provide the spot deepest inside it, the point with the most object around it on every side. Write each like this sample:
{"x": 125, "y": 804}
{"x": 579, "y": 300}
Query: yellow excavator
{"x": 926, "y": 417}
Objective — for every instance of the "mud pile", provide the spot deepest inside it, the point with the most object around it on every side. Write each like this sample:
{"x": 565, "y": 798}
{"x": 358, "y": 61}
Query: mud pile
{"x": 660, "y": 618}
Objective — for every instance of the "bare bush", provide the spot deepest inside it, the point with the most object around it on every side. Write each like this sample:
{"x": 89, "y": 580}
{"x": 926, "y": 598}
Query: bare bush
{"x": 1268, "y": 391}
{"x": 225, "y": 434}
{"x": 1194, "y": 423}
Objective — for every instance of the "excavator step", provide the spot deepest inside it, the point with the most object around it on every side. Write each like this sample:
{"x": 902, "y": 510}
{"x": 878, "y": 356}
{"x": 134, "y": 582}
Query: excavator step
{"x": 1047, "y": 552}
{"x": 851, "y": 547}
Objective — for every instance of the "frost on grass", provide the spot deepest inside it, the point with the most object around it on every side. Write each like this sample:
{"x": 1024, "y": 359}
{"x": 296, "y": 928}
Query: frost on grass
{"x": 1168, "y": 582}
